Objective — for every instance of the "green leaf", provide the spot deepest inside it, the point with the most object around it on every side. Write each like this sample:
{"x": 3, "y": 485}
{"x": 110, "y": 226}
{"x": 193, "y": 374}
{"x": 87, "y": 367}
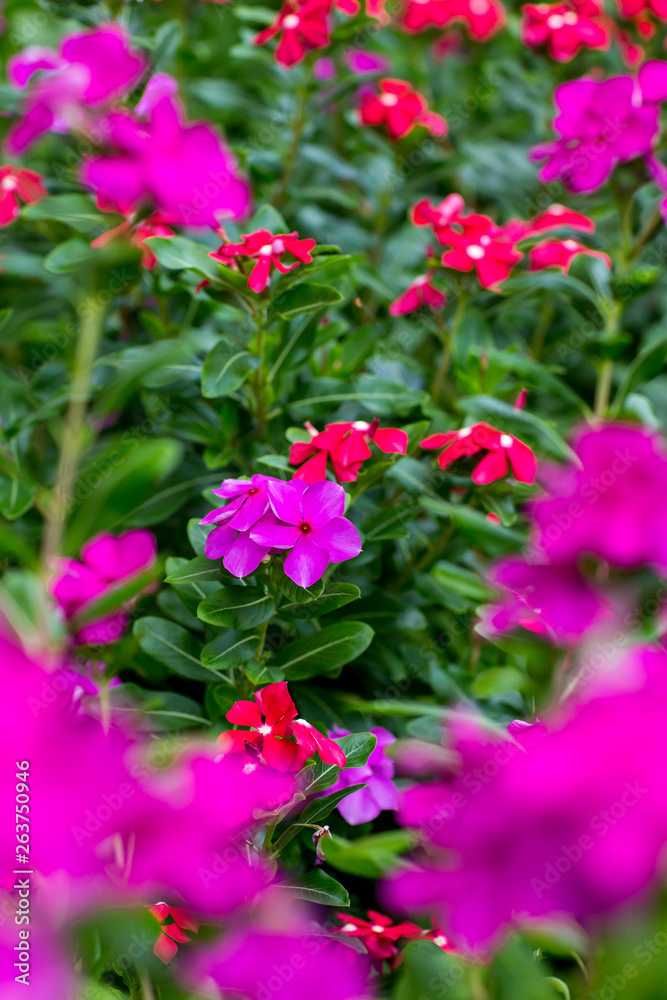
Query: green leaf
{"x": 237, "y": 607}
{"x": 318, "y": 887}
{"x": 369, "y": 857}
{"x": 75, "y": 210}
{"x": 181, "y": 572}
{"x": 226, "y": 368}
{"x": 113, "y": 598}
{"x": 319, "y": 809}
{"x": 67, "y": 256}
{"x": 156, "y": 711}
{"x": 171, "y": 645}
{"x": 16, "y": 496}
{"x": 230, "y": 649}
{"x": 462, "y": 581}
{"x": 304, "y": 298}
{"x": 430, "y": 973}
{"x": 647, "y": 365}
{"x": 334, "y": 596}
{"x": 357, "y": 747}
{"x": 294, "y": 593}
{"x": 326, "y": 652}
{"x": 259, "y": 674}
{"x": 494, "y": 539}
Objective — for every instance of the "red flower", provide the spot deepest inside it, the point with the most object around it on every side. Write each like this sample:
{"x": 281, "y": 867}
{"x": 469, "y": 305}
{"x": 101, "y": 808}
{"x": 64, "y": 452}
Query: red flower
{"x": 560, "y": 254}
{"x": 302, "y": 26}
{"x": 553, "y": 217}
{"x": 563, "y": 29}
{"x": 499, "y": 445}
{"x": 266, "y": 250}
{"x": 420, "y": 293}
{"x": 152, "y": 226}
{"x": 347, "y": 446}
{"x": 400, "y": 108}
{"x": 171, "y": 934}
{"x": 378, "y": 934}
{"x": 482, "y": 17}
{"x": 439, "y": 217}
{"x": 436, "y": 935}
{"x": 634, "y": 8}
{"x": 479, "y": 243}
{"x": 278, "y": 738}
{"x": 15, "y": 183}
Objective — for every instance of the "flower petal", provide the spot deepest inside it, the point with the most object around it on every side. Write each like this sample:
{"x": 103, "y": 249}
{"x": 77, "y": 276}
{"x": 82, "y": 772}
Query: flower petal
{"x": 322, "y": 501}
{"x": 306, "y": 563}
{"x": 339, "y": 537}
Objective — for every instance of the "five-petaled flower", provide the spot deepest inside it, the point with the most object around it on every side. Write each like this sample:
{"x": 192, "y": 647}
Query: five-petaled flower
{"x": 378, "y": 934}
{"x": 307, "y": 521}
{"x": 267, "y": 251}
{"x": 15, "y": 183}
{"x": 564, "y": 28}
{"x": 347, "y": 445}
{"x": 276, "y": 738}
{"x": 477, "y": 243}
{"x": 302, "y": 26}
{"x": 500, "y": 448}
{"x": 172, "y": 933}
{"x": 400, "y": 109}
{"x": 421, "y": 292}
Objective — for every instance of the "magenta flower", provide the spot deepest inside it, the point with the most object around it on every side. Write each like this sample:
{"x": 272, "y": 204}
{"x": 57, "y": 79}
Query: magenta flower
{"x": 421, "y": 292}
{"x": 308, "y": 521}
{"x": 183, "y": 169}
{"x": 380, "y": 791}
{"x": 610, "y": 504}
{"x": 553, "y": 600}
{"x": 601, "y": 123}
{"x": 528, "y": 734}
{"x": 577, "y": 825}
{"x": 106, "y": 560}
{"x": 91, "y": 68}
{"x": 230, "y": 540}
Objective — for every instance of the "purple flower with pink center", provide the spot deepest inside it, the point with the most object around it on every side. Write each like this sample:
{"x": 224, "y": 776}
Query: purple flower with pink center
{"x": 308, "y": 521}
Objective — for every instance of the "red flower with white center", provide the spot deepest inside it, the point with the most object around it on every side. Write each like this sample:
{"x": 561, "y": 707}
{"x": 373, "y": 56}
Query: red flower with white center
{"x": 478, "y": 243}
{"x": 172, "y": 933}
{"x": 347, "y": 444}
{"x": 378, "y": 934}
{"x": 563, "y": 29}
{"x": 560, "y": 254}
{"x": 267, "y": 251}
{"x": 436, "y": 935}
{"x": 277, "y": 738}
{"x": 138, "y": 234}
{"x": 421, "y": 292}
{"x": 302, "y": 27}
{"x": 482, "y": 17}
{"x": 439, "y": 217}
{"x": 554, "y": 217}
{"x": 400, "y": 109}
{"x": 15, "y": 183}
{"x": 500, "y": 446}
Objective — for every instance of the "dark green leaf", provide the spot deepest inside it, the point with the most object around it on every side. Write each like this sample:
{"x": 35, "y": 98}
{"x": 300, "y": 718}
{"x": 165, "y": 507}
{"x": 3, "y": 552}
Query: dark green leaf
{"x": 326, "y": 652}
{"x": 237, "y": 607}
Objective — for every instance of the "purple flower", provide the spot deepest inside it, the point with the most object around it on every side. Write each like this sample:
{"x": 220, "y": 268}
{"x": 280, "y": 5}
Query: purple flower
{"x": 308, "y": 521}
{"x": 362, "y": 62}
{"x": 183, "y": 169}
{"x": 90, "y": 69}
{"x": 610, "y": 504}
{"x": 554, "y": 601}
{"x": 230, "y": 540}
{"x": 380, "y": 791}
{"x": 601, "y": 123}
{"x": 577, "y": 825}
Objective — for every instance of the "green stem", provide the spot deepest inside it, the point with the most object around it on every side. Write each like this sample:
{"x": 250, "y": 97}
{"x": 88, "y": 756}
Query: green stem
{"x": 91, "y": 313}
{"x": 603, "y": 387}
{"x": 298, "y": 124}
{"x": 262, "y": 640}
{"x": 646, "y": 233}
{"x": 445, "y": 359}
{"x": 260, "y": 374}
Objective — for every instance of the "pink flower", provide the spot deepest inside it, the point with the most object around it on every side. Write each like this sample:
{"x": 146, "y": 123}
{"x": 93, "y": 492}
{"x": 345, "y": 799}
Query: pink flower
{"x": 564, "y": 28}
{"x": 303, "y": 25}
{"x": 174, "y": 922}
{"x": 307, "y": 521}
{"x": 272, "y": 717}
{"x": 528, "y": 734}
{"x": 483, "y": 18}
{"x": 362, "y": 62}
{"x": 267, "y": 251}
{"x": 636, "y": 8}
{"x": 400, "y": 109}
{"x": 561, "y": 253}
{"x": 347, "y": 445}
{"x": 439, "y": 217}
{"x": 500, "y": 446}
{"x": 378, "y": 934}
{"x": 553, "y": 217}
{"x": 106, "y": 561}
{"x": 479, "y": 244}
{"x": 230, "y": 539}
{"x": 380, "y": 791}
{"x": 609, "y": 504}
{"x": 15, "y": 183}
{"x": 601, "y": 123}
{"x": 183, "y": 169}
{"x": 553, "y": 600}
{"x": 138, "y": 234}
{"x": 91, "y": 68}
{"x": 577, "y": 825}
{"x": 420, "y": 293}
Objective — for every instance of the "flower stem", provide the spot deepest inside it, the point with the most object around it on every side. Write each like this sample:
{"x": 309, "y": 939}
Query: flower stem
{"x": 91, "y": 314}
{"x": 260, "y": 374}
{"x": 298, "y": 124}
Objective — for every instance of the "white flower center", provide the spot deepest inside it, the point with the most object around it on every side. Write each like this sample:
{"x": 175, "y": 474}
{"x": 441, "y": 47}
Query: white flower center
{"x": 278, "y": 246}
{"x": 360, "y": 425}
{"x": 485, "y": 240}
{"x": 264, "y": 730}
{"x": 348, "y": 928}
{"x": 556, "y": 210}
{"x": 389, "y": 100}
{"x": 9, "y": 183}
{"x": 570, "y": 244}
{"x": 475, "y": 252}
{"x": 377, "y": 929}
{"x": 266, "y": 250}
{"x": 570, "y": 17}
{"x": 249, "y": 768}
{"x": 505, "y": 441}
{"x": 440, "y": 941}
{"x": 478, "y": 6}
{"x": 421, "y": 280}
{"x": 465, "y": 431}
{"x": 291, "y": 21}
{"x": 555, "y": 21}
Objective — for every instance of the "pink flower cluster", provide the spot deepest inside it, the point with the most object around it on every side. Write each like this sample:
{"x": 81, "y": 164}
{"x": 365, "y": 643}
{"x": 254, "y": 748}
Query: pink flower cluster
{"x": 267, "y": 516}
{"x": 573, "y": 823}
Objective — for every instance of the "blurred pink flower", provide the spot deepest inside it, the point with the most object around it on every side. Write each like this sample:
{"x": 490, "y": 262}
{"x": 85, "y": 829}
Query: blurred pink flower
{"x": 561, "y": 253}
{"x": 400, "y": 109}
{"x": 420, "y": 293}
{"x": 302, "y": 26}
{"x": 90, "y": 68}
{"x": 565, "y": 28}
